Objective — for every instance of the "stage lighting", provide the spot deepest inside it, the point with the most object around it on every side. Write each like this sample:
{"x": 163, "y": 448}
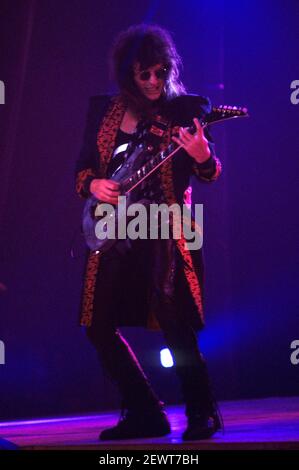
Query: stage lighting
{"x": 166, "y": 358}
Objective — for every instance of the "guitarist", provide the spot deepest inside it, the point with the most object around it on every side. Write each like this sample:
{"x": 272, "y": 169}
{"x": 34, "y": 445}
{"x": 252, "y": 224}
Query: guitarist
{"x": 157, "y": 284}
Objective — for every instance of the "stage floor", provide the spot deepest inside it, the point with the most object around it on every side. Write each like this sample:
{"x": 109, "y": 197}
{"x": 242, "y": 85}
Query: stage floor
{"x": 271, "y": 423}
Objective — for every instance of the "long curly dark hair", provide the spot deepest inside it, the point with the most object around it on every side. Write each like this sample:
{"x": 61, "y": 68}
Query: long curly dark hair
{"x": 147, "y": 45}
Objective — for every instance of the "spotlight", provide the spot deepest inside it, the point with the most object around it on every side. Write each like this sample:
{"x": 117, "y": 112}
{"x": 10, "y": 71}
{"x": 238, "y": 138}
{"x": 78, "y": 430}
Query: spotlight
{"x": 166, "y": 358}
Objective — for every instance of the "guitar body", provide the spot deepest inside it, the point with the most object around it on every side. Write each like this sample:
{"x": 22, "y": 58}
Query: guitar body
{"x": 93, "y": 205}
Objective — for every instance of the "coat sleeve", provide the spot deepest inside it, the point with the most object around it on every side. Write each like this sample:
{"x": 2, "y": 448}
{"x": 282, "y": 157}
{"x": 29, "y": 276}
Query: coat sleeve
{"x": 87, "y": 165}
{"x": 210, "y": 169}
{"x": 182, "y": 110}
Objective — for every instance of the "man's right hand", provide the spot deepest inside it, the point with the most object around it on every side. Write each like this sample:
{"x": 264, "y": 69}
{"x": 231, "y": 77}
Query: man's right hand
{"x": 105, "y": 190}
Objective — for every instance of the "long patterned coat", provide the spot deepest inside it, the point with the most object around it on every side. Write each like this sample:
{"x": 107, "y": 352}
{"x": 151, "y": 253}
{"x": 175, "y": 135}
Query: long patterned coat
{"x": 103, "y": 121}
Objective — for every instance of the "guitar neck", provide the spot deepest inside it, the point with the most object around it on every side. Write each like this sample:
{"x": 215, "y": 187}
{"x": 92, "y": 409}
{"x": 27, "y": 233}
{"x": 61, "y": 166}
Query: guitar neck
{"x": 217, "y": 114}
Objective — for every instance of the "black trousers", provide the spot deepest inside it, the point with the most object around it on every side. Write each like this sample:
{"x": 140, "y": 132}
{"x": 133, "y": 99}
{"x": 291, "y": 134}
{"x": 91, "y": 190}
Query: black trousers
{"x": 123, "y": 368}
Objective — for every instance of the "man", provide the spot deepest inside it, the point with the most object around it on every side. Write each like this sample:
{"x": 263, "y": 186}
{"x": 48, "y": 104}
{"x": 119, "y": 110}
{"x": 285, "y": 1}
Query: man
{"x": 152, "y": 283}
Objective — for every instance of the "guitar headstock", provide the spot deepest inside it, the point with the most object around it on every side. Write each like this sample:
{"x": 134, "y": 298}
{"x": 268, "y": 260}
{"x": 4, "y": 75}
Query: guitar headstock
{"x": 223, "y": 112}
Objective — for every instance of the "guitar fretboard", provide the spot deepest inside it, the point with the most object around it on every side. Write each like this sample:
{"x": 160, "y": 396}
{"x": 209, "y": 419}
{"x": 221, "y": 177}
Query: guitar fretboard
{"x": 217, "y": 114}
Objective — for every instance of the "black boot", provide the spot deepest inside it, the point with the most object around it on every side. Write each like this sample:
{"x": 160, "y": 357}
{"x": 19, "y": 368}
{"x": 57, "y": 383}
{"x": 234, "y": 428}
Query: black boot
{"x": 139, "y": 423}
{"x": 142, "y": 412}
{"x": 202, "y": 425}
{"x": 204, "y": 418}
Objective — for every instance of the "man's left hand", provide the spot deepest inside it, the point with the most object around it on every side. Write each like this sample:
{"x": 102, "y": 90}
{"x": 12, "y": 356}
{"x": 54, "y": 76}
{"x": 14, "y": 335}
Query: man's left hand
{"x": 196, "y": 145}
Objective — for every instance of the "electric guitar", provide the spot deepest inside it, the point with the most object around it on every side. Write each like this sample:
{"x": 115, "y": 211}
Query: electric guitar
{"x": 131, "y": 174}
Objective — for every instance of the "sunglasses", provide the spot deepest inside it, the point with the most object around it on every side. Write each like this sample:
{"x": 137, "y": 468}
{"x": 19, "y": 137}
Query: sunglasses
{"x": 160, "y": 74}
